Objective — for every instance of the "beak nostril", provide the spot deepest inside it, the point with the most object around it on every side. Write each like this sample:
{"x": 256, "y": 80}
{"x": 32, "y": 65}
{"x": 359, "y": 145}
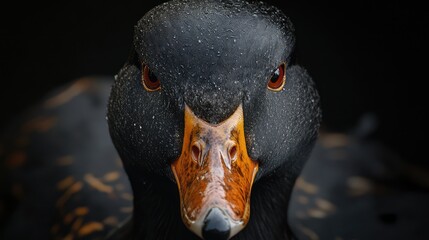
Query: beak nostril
{"x": 196, "y": 152}
{"x": 233, "y": 153}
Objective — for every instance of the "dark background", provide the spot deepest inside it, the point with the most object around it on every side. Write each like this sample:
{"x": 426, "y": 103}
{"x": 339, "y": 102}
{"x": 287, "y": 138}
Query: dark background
{"x": 365, "y": 56}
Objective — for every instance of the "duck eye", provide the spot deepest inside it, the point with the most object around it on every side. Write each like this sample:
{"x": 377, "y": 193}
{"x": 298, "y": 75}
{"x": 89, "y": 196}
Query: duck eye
{"x": 278, "y": 79}
{"x": 150, "y": 81}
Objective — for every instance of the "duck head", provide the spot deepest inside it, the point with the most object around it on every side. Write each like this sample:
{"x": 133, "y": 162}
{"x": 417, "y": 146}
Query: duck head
{"x": 208, "y": 105}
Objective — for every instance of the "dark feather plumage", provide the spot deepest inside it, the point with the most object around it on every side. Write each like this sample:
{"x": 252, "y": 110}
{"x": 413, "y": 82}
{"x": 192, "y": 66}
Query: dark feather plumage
{"x": 59, "y": 162}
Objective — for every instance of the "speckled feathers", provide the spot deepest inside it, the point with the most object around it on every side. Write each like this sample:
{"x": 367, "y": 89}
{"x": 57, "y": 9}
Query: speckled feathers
{"x": 213, "y": 56}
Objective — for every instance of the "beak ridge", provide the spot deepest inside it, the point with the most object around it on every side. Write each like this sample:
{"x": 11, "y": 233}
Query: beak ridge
{"x": 214, "y": 175}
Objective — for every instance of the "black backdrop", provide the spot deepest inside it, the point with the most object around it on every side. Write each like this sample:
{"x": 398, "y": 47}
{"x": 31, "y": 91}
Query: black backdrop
{"x": 365, "y": 56}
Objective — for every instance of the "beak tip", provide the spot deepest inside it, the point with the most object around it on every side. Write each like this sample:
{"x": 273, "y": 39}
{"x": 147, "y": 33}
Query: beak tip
{"x": 216, "y": 225}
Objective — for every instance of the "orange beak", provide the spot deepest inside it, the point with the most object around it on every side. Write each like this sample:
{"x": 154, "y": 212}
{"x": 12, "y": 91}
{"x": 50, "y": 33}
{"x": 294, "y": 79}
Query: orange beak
{"x": 214, "y": 175}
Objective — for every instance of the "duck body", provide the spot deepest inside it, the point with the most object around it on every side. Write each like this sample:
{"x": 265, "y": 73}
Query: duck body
{"x": 356, "y": 187}
{"x": 215, "y": 62}
{"x": 61, "y": 177}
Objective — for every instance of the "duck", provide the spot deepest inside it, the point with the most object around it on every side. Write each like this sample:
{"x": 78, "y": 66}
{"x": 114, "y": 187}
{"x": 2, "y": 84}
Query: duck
{"x": 210, "y": 117}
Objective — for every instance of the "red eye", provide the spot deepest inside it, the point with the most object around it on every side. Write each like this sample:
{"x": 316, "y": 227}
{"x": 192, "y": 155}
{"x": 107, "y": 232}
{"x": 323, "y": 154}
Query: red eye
{"x": 150, "y": 81}
{"x": 278, "y": 79}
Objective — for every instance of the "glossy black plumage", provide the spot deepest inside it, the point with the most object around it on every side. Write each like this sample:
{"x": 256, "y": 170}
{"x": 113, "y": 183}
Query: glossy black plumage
{"x": 212, "y": 56}
{"x": 351, "y": 187}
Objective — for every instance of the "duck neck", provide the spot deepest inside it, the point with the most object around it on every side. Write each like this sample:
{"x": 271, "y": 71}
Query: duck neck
{"x": 157, "y": 212}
